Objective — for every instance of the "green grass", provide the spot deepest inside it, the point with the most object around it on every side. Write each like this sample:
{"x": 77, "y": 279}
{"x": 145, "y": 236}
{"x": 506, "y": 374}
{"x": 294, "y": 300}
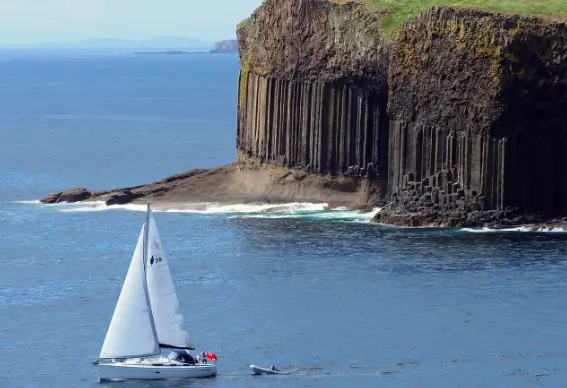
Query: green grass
{"x": 397, "y": 11}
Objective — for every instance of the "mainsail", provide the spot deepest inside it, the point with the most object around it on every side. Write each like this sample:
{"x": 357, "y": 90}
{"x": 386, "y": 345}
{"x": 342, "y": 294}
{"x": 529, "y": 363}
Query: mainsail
{"x": 131, "y": 332}
{"x": 147, "y": 314}
{"x": 169, "y": 322}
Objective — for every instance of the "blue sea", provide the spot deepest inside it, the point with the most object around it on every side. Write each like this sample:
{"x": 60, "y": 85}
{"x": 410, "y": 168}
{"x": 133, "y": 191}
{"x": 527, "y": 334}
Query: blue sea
{"x": 322, "y": 292}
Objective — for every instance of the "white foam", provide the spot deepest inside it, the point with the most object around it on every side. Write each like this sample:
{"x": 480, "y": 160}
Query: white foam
{"x": 375, "y": 211}
{"x": 332, "y": 215}
{"x": 522, "y": 229}
{"x": 294, "y": 210}
{"x": 28, "y": 202}
{"x": 264, "y": 216}
{"x": 266, "y": 208}
{"x": 202, "y": 207}
{"x": 480, "y": 230}
{"x": 94, "y": 206}
{"x": 326, "y": 215}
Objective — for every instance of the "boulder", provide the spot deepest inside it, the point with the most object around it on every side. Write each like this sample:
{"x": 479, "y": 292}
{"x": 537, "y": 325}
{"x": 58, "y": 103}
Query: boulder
{"x": 72, "y": 195}
{"x": 120, "y": 198}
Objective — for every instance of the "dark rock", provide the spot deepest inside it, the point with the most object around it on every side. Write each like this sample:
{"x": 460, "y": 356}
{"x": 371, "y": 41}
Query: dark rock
{"x": 473, "y": 207}
{"x": 72, "y": 195}
{"x": 489, "y": 112}
{"x": 313, "y": 88}
{"x": 120, "y": 198}
{"x": 462, "y": 104}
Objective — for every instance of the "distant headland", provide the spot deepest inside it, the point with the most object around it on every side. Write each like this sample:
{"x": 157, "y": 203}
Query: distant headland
{"x": 225, "y": 46}
{"x": 169, "y": 52}
{"x": 157, "y": 45}
{"x": 222, "y": 47}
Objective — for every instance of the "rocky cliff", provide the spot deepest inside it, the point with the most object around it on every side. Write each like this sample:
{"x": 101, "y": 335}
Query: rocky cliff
{"x": 478, "y": 119}
{"x": 313, "y": 90}
{"x": 458, "y": 118}
{"x": 312, "y": 122}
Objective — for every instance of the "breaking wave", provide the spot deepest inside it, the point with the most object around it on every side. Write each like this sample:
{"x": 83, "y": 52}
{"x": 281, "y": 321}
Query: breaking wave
{"x": 294, "y": 210}
{"x": 200, "y": 207}
{"x": 519, "y": 229}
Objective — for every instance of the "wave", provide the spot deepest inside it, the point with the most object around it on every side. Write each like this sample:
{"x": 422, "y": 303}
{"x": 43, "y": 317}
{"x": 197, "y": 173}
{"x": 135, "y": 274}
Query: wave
{"x": 80, "y": 207}
{"x": 201, "y": 207}
{"x": 294, "y": 210}
{"x": 519, "y": 229}
{"x": 264, "y": 208}
{"x": 286, "y": 211}
{"x": 321, "y": 215}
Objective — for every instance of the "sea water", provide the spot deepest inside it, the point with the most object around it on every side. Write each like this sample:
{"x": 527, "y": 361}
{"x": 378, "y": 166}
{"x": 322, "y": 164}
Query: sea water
{"x": 321, "y": 292}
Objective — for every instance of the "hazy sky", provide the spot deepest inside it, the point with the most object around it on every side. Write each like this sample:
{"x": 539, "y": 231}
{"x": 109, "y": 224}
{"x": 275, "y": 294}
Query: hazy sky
{"x": 37, "y": 21}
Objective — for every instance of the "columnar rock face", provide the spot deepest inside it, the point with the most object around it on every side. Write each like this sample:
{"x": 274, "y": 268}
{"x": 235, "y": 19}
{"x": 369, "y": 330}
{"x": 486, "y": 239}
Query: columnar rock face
{"x": 313, "y": 89}
{"x": 315, "y": 126}
{"x": 461, "y": 119}
{"x": 478, "y": 119}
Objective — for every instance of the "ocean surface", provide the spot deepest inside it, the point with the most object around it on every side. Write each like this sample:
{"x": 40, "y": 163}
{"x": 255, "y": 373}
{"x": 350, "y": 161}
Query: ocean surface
{"x": 321, "y": 292}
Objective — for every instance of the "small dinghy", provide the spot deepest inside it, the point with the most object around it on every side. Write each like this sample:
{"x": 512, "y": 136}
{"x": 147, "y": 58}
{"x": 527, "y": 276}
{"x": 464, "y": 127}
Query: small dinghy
{"x": 258, "y": 370}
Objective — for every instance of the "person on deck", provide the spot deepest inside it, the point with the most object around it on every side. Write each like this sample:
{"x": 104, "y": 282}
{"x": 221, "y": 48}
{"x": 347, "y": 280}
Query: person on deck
{"x": 273, "y": 368}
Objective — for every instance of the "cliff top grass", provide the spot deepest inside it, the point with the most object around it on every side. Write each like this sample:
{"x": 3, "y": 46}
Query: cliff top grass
{"x": 395, "y": 12}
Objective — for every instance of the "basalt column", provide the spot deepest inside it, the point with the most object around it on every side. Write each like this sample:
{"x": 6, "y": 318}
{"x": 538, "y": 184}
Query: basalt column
{"x": 320, "y": 127}
{"x": 478, "y": 110}
{"x": 313, "y": 89}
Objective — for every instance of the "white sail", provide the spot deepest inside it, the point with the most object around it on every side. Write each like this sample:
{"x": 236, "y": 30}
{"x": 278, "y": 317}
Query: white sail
{"x": 169, "y": 322}
{"x": 131, "y": 332}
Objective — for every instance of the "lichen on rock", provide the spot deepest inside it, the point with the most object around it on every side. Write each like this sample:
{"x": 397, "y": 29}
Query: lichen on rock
{"x": 478, "y": 113}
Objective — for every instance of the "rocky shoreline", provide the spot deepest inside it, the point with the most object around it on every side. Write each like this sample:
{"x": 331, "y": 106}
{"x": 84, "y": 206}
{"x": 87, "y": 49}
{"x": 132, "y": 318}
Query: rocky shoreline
{"x": 234, "y": 183}
{"x": 458, "y": 120}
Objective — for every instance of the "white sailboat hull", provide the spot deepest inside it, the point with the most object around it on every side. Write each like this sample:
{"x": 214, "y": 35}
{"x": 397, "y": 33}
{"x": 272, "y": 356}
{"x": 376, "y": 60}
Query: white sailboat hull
{"x": 120, "y": 371}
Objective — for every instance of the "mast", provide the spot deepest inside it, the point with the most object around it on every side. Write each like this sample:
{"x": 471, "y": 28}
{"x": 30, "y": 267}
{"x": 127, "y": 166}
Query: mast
{"x": 145, "y": 280}
{"x": 168, "y": 319}
{"x": 132, "y": 331}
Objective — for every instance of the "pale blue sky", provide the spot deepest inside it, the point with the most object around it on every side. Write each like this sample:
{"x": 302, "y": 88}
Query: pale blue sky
{"x": 38, "y": 21}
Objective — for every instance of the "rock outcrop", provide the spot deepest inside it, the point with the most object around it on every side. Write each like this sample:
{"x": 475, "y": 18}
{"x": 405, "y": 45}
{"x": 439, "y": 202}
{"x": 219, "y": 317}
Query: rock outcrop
{"x": 313, "y": 90}
{"x": 312, "y": 122}
{"x": 478, "y": 119}
{"x": 71, "y": 195}
{"x": 459, "y": 119}
{"x": 232, "y": 183}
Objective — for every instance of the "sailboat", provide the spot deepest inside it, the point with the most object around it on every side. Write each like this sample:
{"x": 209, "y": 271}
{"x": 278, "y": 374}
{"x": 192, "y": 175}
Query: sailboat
{"x": 146, "y": 324}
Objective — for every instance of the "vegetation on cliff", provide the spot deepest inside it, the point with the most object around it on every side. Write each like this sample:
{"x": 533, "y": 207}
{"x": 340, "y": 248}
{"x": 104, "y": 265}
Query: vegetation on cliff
{"x": 395, "y": 12}
{"x": 458, "y": 119}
